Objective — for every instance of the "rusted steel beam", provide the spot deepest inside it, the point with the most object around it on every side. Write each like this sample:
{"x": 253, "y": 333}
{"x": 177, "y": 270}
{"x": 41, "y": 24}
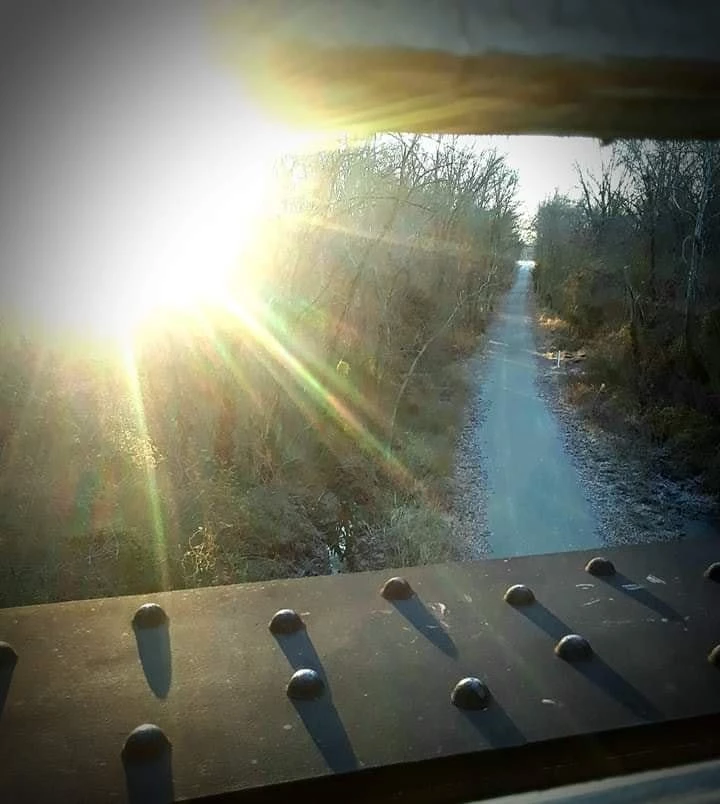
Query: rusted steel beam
{"x": 205, "y": 667}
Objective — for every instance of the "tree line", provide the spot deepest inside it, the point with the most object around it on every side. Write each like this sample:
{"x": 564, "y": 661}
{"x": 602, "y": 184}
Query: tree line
{"x": 632, "y": 266}
{"x": 312, "y": 429}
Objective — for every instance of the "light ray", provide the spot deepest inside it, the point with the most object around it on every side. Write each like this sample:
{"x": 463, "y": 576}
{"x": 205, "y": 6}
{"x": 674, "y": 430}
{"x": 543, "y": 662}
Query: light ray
{"x": 289, "y": 384}
{"x": 136, "y": 398}
{"x": 327, "y": 374}
{"x": 225, "y": 355}
{"x": 319, "y": 393}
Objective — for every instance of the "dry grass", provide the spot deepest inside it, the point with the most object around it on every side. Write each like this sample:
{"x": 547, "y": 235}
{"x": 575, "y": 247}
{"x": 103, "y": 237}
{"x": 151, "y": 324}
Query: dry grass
{"x": 604, "y": 389}
{"x": 556, "y": 334}
{"x": 219, "y": 528}
{"x": 415, "y": 535}
{"x": 465, "y": 342}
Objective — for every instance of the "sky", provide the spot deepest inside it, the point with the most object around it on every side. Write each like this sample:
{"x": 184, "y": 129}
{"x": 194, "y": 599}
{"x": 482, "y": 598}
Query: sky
{"x": 545, "y": 164}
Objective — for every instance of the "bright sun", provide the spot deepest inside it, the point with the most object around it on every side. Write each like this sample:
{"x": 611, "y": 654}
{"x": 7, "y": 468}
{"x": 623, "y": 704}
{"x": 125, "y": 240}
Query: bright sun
{"x": 177, "y": 225}
{"x": 201, "y": 239}
{"x": 189, "y": 260}
{"x": 154, "y": 192}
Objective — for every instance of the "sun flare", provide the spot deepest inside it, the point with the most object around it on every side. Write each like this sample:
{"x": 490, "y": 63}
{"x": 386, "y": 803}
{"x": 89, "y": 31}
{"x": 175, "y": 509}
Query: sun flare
{"x": 184, "y": 229}
{"x": 203, "y": 242}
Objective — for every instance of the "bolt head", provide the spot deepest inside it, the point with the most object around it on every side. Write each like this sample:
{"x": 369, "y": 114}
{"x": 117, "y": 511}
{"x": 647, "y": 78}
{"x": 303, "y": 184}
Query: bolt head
{"x": 397, "y": 589}
{"x": 286, "y": 621}
{"x": 470, "y": 693}
{"x": 519, "y": 595}
{"x": 714, "y": 656}
{"x": 145, "y": 743}
{"x": 305, "y": 685}
{"x": 149, "y": 615}
{"x": 712, "y": 573}
{"x": 600, "y": 567}
{"x": 573, "y": 648}
{"x": 8, "y": 657}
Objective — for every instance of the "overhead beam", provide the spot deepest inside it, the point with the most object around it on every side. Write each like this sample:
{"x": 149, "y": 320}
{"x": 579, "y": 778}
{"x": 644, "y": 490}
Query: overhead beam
{"x": 612, "y": 69}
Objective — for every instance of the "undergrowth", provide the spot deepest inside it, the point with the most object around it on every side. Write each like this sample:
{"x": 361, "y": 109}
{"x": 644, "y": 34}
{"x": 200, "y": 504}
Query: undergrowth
{"x": 605, "y": 387}
{"x": 301, "y": 422}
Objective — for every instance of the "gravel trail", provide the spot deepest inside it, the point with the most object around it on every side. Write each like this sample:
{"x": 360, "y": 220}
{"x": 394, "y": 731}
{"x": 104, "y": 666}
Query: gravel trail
{"x": 533, "y": 475}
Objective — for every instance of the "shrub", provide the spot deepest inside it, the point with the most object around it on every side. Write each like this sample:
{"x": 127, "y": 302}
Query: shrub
{"x": 416, "y": 535}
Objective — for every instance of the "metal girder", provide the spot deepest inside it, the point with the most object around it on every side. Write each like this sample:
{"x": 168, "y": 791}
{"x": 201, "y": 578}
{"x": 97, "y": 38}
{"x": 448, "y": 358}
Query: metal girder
{"x": 611, "y": 69}
{"x": 606, "y": 69}
{"x": 214, "y": 677}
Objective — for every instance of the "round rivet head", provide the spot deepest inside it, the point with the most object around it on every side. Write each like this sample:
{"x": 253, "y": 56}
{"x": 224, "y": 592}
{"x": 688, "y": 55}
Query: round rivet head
{"x": 305, "y": 685}
{"x": 286, "y": 621}
{"x": 397, "y": 589}
{"x": 573, "y": 648}
{"x": 150, "y": 615}
{"x": 712, "y": 573}
{"x": 519, "y": 595}
{"x": 145, "y": 743}
{"x": 470, "y": 693}
{"x": 8, "y": 657}
{"x": 600, "y": 566}
{"x": 714, "y": 656}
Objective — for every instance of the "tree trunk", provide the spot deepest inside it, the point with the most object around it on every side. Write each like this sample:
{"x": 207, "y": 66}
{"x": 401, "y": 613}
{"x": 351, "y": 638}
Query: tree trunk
{"x": 635, "y": 314}
{"x": 694, "y": 266}
{"x": 652, "y": 278}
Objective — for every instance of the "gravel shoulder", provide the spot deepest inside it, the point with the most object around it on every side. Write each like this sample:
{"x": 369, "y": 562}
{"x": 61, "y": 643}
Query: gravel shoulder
{"x": 470, "y": 477}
